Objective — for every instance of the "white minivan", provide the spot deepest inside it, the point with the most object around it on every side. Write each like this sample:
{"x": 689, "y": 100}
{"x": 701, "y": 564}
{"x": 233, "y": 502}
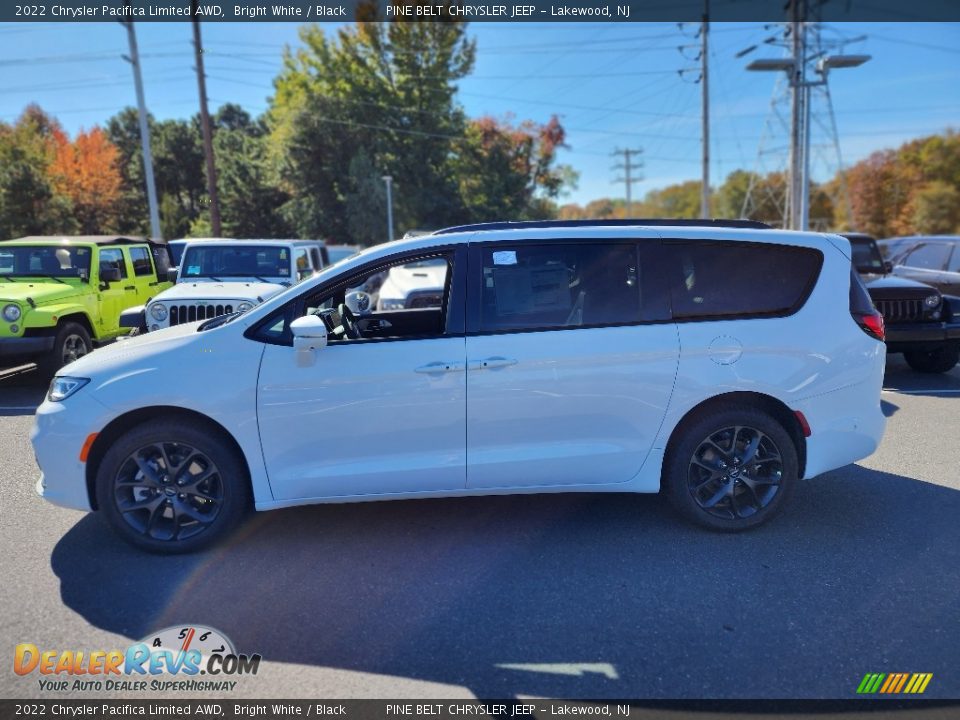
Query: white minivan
{"x": 722, "y": 362}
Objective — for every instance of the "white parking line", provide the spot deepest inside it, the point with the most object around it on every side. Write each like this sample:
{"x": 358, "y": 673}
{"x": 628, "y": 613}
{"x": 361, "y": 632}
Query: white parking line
{"x": 948, "y": 391}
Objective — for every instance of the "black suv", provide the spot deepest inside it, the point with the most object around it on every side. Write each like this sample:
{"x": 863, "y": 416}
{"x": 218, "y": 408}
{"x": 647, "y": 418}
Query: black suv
{"x": 921, "y": 323}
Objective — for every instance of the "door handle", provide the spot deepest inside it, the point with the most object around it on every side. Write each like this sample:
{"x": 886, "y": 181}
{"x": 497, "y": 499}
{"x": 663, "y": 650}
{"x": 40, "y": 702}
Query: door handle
{"x": 491, "y": 363}
{"x": 129, "y": 287}
{"x": 441, "y": 367}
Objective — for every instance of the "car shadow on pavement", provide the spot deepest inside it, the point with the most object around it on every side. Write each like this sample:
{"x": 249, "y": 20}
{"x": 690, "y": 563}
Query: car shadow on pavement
{"x": 898, "y": 377}
{"x": 566, "y": 595}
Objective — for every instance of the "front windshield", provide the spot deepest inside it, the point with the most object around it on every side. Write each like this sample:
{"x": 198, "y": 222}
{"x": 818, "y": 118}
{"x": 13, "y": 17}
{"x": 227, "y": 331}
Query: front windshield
{"x": 45, "y": 261}
{"x": 866, "y": 256}
{"x": 220, "y": 261}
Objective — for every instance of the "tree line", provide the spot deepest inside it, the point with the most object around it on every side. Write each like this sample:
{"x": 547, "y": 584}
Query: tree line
{"x": 914, "y": 189}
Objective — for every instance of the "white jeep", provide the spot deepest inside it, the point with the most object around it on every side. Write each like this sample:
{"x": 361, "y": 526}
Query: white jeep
{"x": 219, "y": 277}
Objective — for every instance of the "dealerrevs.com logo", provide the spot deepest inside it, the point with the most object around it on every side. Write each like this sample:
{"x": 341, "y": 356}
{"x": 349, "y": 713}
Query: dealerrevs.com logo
{"x": 171, "y": 659}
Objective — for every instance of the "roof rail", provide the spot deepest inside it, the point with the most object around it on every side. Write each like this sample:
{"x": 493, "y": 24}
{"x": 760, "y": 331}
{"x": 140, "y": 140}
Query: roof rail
{"x": 624, "y": 222}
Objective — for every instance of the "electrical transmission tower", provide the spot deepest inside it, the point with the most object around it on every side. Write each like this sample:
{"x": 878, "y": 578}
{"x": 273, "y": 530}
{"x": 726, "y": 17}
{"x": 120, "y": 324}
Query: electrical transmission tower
{"x": 629, "y": 167}
{"x": 800, "y": 133}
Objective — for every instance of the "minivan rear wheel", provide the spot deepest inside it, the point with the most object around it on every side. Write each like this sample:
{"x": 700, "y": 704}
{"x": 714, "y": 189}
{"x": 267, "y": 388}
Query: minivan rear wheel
{"x": 172, "y": 486}
{"x": 732, "y": 469}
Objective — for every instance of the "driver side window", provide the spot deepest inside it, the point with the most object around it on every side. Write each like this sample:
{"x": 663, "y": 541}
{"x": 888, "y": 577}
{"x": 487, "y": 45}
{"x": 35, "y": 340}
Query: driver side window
{"x": 401, "y": 300}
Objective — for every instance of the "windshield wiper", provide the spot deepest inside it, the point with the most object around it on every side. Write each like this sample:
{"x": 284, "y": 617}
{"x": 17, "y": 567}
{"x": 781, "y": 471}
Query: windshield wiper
{"x": 217, "y": 321}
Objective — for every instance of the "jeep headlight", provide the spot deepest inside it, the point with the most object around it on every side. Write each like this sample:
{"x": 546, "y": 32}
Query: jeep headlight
{"x": 244, "y": 306}
{"x": 158, "y": 311}
{"x": 63, "y": 387}
{"x": 11, "y": 312}
{"x": 931, "y": 301}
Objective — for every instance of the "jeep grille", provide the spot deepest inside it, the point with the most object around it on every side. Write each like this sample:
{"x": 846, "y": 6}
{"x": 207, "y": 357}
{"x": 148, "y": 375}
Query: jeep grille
{"x": 897, "y": 311}
{"x": 189, "y": 313}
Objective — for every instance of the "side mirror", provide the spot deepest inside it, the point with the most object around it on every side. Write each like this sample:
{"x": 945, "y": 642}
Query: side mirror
{"x": 109, "y": 274}
{"x": 887, "y": 267}
{"x": 172, "y": 274}
{"x": 309, "y": 333}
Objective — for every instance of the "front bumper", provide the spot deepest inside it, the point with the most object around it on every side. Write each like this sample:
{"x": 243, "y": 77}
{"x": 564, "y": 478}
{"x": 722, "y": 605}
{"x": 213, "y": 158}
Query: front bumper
{"x": 25, "y": 346}
{"x": 931, "y": 333}
{"x": 58, "y": 435}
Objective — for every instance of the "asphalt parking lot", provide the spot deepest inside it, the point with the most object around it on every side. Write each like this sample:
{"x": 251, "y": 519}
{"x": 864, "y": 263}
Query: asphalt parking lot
{"x": 552, "y": 596}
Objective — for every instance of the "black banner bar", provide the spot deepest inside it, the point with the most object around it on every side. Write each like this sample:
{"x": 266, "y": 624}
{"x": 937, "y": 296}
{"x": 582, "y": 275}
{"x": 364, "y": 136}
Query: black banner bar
{"x": 480, "y": 709}
{"x": 472, "y": 10}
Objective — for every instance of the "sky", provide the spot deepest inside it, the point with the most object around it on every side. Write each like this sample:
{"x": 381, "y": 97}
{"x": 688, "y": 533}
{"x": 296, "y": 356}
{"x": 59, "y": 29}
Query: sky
{"x": 613, "y": 85}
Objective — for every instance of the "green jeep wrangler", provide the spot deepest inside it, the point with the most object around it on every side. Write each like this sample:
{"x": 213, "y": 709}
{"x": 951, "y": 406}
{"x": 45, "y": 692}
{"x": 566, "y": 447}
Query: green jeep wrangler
{"x": 61, "y": 296}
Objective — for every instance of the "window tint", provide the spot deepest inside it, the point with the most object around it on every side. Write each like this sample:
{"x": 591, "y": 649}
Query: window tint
{"x": 717, "y": 279}
{"x": 141, "y": 261}
{"x": 113, "y": 258}
{"x": 929, "y": 256}
{"x": 396, "y": 301}
{"x": 528, "y": 287}
{"x": 860, "y": 302}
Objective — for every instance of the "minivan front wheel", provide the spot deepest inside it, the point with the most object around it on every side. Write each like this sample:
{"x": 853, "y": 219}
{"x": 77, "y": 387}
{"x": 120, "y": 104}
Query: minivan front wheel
{"x": 732, "y": 469}
{"x": 172, "y": 487}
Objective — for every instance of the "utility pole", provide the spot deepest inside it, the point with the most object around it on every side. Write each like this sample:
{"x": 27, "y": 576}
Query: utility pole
{"x": 205, "y": 126}
{"x": 388, "y": 179}
{"x": 134, "y": 60}
{"x": 705, "y": 100}
{"x": 628, "y": 167}
{"x": 797, "y": 136}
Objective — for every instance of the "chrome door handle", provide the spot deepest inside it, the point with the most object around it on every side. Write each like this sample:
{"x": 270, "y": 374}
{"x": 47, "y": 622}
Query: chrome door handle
{"x": 441, "y": 367}
{"x": 491, "y": 363}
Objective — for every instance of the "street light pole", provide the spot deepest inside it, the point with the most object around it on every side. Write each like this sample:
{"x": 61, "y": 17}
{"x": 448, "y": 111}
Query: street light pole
{"x": 388, "y": 179}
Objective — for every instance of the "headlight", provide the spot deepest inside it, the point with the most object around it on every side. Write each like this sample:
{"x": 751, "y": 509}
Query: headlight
{"x": 386, "y": 304}
{"x": 11, "y": 312}
{"x": 931, "y": 301}
{"x": 244, "y": 306}
{"x": 63, "y": 387}
{"x": 158, "y": 311}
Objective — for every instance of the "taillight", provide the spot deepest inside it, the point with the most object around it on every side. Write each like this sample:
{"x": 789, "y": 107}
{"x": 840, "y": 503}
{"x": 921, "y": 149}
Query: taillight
{"x": 872, "y": 324}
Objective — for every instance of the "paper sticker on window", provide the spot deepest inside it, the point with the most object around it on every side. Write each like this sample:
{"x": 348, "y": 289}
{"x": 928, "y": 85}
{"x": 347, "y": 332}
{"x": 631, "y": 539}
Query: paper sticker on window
{"x": 505, "y": 257}
{"x": 193, "y": 270}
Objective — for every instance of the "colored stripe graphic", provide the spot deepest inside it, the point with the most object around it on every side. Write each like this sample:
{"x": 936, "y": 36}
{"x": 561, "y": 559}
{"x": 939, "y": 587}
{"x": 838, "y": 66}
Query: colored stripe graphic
{"x": 894, "y": 683}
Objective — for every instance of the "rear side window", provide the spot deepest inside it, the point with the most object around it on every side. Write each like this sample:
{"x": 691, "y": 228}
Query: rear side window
{"x": 736, "y": 279}
{"x": 928, "y": 257}
{"x": 530, "y": 287}
{"x": 140, "y": 257}
{"x": 860, "y": 302}
{"x": 113, "y": 258}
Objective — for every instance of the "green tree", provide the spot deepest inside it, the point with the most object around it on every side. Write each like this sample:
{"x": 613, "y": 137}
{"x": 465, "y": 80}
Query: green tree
{"x": 29, "y": 201}
{"x": 387, "y": 88}
{"x": 936, "y": 209}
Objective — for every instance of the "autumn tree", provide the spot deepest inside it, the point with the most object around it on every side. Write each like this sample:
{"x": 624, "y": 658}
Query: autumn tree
{"x": 87, "y": 172}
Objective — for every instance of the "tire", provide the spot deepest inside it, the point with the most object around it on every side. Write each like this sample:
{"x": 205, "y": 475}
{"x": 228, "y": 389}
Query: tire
{"x": 163, "y": 515}
{"x": 941, "y": 360}
{"x": 708, "y": 463}
{"x": 71, "y": 342}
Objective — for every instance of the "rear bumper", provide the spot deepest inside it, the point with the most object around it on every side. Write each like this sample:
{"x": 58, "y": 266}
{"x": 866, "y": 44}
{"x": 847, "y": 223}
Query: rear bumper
{"x": 25, "y": 346}
{"x": 847, "y": 424}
